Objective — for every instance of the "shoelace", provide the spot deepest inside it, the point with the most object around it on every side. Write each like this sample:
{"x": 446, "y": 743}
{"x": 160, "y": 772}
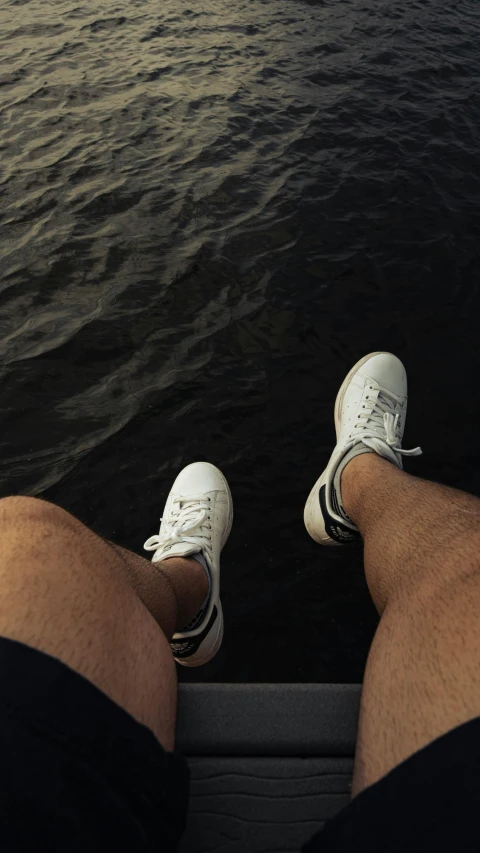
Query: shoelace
{"x": 382, "y": 424}
{"x": 184, "y": 525}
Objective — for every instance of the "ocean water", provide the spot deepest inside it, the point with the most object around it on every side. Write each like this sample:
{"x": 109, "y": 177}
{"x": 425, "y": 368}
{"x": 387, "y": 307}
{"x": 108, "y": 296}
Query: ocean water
{"x": 208, "y": 213}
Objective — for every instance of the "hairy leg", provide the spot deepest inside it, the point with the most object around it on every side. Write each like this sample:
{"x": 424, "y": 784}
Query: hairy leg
{"x": 105, "y": 612}
{"x": 422, "y": 563}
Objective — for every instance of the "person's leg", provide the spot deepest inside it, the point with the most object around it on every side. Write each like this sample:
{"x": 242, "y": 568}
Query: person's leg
{"x": 107, "y": 613}
{"x": 422, "y": 562}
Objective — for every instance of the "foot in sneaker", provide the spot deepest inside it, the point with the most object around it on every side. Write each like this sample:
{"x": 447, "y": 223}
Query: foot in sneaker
{"x": 370, "y": 413}
{"x": 196, "y": 522}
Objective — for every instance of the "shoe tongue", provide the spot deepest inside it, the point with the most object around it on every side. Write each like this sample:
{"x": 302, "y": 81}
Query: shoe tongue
{"x": 181, "y": 549}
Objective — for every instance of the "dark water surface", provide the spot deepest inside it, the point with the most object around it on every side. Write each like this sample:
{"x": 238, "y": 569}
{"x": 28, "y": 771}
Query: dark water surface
{"x": 208, "y": 212}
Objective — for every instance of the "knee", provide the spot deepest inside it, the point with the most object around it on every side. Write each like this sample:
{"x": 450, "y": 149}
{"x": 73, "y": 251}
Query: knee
{"x": 19, "y": 511}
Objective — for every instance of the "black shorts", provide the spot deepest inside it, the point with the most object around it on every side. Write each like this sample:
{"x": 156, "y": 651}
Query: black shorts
{"x": 428, "y": 804}
{"x": 79, "y": 774}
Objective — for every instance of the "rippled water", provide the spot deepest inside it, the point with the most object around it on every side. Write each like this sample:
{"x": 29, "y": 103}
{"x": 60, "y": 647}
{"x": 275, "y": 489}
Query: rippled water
{"x": 208, "y": 212}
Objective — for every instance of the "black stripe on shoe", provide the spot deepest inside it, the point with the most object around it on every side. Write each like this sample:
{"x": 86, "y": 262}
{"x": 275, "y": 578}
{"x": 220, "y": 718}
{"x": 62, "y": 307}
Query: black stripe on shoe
{"x": 338, "y": 532}
{"x": 188, "y": 647}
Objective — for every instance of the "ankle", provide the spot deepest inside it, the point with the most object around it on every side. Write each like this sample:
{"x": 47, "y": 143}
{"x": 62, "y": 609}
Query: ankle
{"x": 358, "y": 477}
{"x": 190, "y": 584}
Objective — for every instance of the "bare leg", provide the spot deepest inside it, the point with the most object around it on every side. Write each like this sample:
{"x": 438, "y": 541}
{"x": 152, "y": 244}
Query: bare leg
{"x": 107, "y": 613}
{"x": 422, "y": 562}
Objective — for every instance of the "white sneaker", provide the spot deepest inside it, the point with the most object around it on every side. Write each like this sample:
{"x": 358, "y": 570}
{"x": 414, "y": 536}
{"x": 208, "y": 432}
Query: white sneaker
{"x": 197, "y": 519}
{"x": 370, "y": 409}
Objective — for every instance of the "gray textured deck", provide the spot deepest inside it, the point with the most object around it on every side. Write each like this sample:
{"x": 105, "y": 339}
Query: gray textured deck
{"x": 269, "y": 763}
